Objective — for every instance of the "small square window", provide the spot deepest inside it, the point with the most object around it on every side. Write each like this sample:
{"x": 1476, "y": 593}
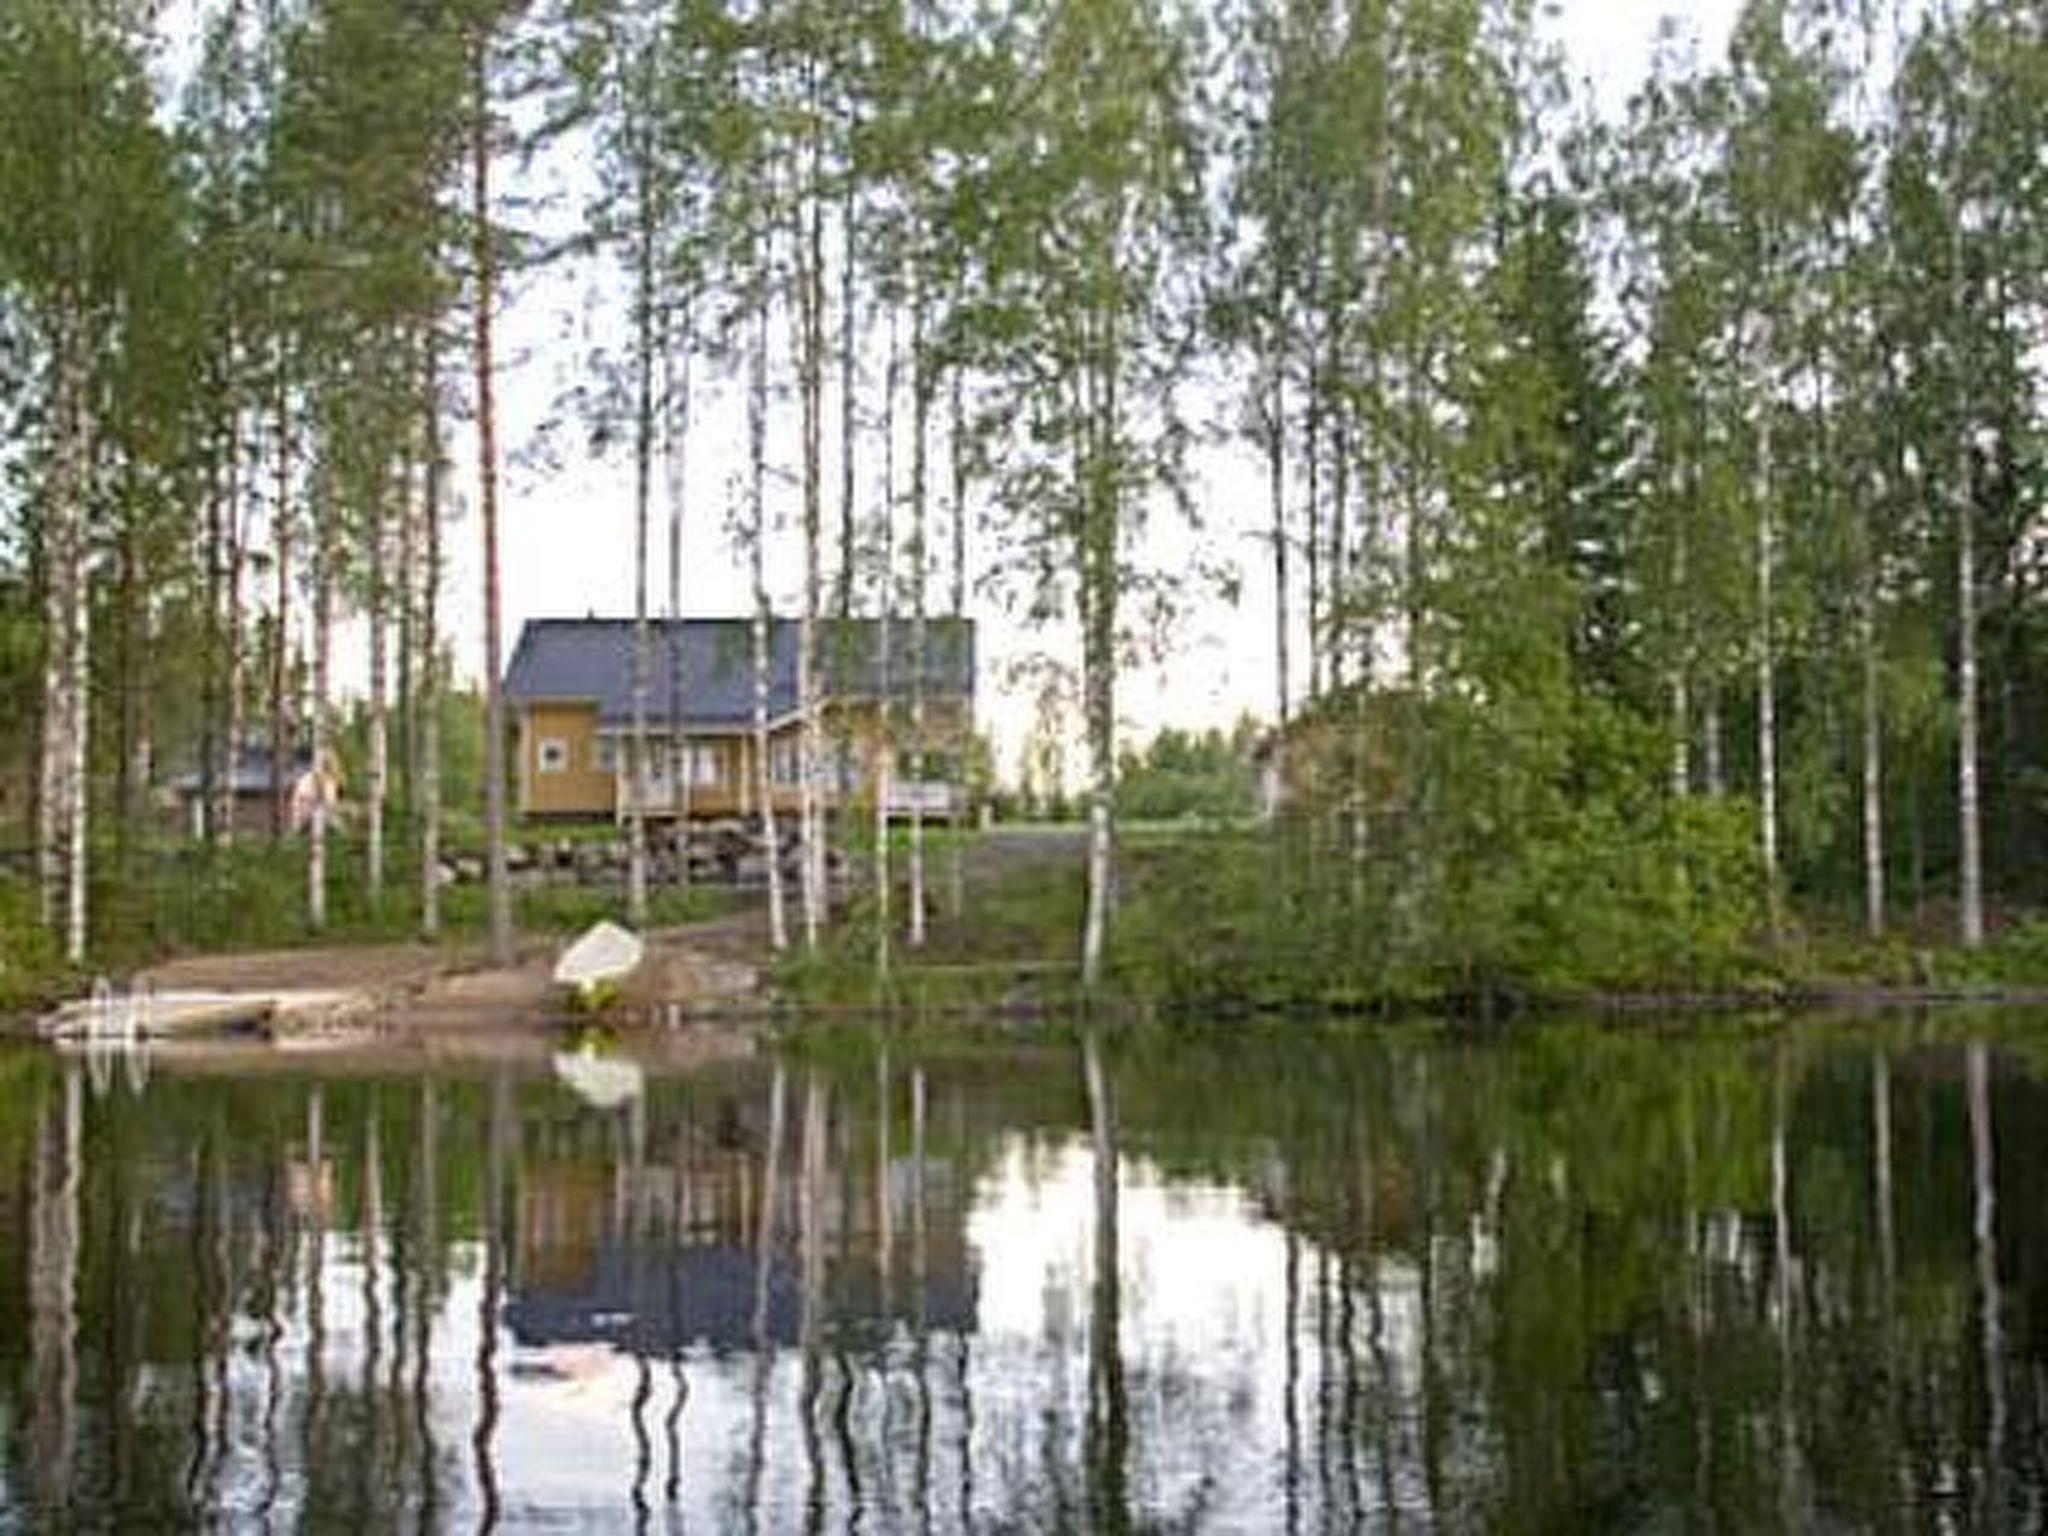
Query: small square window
{"x": 554, "y": 755}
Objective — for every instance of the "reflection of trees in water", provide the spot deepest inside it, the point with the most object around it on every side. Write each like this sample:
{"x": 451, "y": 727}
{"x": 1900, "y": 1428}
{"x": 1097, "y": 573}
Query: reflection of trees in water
{"x": 53, "y": 1292}
{"x": 1571, "y": 1278}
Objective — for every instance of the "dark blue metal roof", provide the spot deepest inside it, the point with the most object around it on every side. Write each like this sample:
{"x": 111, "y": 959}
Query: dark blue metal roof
{"x": 576, "y": 659}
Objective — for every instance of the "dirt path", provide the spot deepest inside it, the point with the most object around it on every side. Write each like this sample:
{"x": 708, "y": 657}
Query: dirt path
{"x": 451, "y": 989}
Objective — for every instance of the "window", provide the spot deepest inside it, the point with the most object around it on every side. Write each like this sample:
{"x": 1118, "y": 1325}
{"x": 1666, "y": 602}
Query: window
{"x": 607, "y": 753}
{"x": 553, "y": 756}
{"x": 704, "y": 765}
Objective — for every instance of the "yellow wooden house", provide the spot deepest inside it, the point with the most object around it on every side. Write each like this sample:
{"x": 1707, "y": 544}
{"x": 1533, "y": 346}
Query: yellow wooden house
{"x": 570, "y": 686}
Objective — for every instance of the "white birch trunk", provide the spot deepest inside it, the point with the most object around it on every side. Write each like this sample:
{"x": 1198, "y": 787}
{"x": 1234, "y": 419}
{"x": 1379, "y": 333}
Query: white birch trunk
{"x": 1099, "y": 584}
{"x": 956, "y": 447}
{"x": 281, "y": 603}
{"x": 643, "y": 494}
{"x": 484, "y": 258}
{"x": 323, "y": 647}
{"x": 1276, "y": 490}
{"x": 380, "y": 716}
{"x": 62, "y": 793}
{"x": 1873, "y": 776}
{"x": 55, "y": 754}
{"x": 757, "y": 449}
{"x": 1970, "y": 827}
{"x": 78, "y": 796}
{"x": 920, "y": 422}
{"x": 1681, "y": 671}
{"x": 885, "y": 715}
{"x": 1766, "y": 659}
{"x": 223, "y": 827}
{"x": 681, "y": 764}
{"x": 429, "y": 789}
{"x": 810, "y": 743}
{"x": 1710, "y": 732}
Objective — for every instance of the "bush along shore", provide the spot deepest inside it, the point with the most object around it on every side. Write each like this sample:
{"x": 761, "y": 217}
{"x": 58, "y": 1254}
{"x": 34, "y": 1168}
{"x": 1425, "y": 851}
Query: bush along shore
{"x": 1225, "y": 921}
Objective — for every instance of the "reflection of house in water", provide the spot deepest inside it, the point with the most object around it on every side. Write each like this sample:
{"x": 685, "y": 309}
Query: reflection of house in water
{"x": 663, "y": 1254}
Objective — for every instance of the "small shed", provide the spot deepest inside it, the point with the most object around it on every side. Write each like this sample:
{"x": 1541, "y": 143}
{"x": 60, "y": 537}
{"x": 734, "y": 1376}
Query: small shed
{"x": 249, "y": 789}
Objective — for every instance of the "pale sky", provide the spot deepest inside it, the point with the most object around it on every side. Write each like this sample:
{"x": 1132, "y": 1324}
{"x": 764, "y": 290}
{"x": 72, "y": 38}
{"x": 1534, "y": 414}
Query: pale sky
{"x": 568, "y": 527}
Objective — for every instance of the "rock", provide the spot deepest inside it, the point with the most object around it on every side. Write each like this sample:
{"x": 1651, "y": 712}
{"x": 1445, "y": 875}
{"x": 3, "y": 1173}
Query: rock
{"x": 469, "y": 870}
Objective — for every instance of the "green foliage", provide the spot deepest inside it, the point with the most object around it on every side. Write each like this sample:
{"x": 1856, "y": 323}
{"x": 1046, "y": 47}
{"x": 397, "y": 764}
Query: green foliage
{"x": 1186, "y": 775}
{"x": 31, "y": 958}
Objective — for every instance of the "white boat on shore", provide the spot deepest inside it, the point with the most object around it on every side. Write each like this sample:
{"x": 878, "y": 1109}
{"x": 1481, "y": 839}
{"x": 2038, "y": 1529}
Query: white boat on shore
{"x": 604, "y": 957}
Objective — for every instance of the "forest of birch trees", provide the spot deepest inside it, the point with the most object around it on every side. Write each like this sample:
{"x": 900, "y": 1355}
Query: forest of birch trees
{"x": 1650, "y": 482}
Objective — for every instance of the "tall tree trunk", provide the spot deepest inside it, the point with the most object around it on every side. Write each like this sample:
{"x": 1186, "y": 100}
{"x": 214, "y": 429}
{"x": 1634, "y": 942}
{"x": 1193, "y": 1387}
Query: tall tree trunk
{"x": 379, "y": 724}
{"x": 1102, "y": 491}
{"x": 55, "y": 754}
{"x": 956, "y": 607}
{"x": 77, "y": 784}
{"x": 1681, "y": 669}
{"x": 429, "y": 793}
{"x": 67, "y": 708}
{"x": 1970, "y": 876}
{"x": 920, "y": 428}
{"x": 1312, "y": 536}
{"x": 1873, "y": 767}
{"x": 138, "y": 740}
{"x": 764, "y": 618}
{"x": 213, "y": 693}
{"x": 222, "y": 816}
{"x": 1334, "y": 617}
{"x": 681, "y": 753}
{"x": 1276, "y": 488}
{"x": 885, "y": 714}
{"x": 484, "y": 258}
{"x": 811, "y": 389}
{"x": 1970, "y": 822}
{"x": 78, "y": 660}
{"x": 280, "y": 730}
{"x": 323, "y": 650}
{"x": 406, "y": 587}
{"x": 1766, "y": 645}
{"x": 643, "y": 493}
{"x": 849, "y": 349}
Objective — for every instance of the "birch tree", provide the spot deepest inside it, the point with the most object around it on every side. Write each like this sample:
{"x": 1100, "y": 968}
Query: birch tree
{"x": 1093, "y": 196}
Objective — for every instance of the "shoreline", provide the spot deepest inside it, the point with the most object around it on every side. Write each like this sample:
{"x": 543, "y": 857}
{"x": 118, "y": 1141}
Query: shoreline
{"x": 446, "y": 1000}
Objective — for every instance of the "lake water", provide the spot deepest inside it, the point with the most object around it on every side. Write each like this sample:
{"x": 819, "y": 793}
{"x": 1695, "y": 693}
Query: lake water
{"x": 1726, "y": 1277}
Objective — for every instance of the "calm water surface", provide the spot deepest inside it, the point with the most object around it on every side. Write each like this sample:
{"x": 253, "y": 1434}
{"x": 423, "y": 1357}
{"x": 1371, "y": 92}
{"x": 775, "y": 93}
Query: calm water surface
{"x": 1571, "y": 1279}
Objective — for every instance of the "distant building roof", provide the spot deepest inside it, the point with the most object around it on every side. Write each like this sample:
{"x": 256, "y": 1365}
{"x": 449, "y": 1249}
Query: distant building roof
{"x": 251, "y": 773}
{"x": 593, "y": 659}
